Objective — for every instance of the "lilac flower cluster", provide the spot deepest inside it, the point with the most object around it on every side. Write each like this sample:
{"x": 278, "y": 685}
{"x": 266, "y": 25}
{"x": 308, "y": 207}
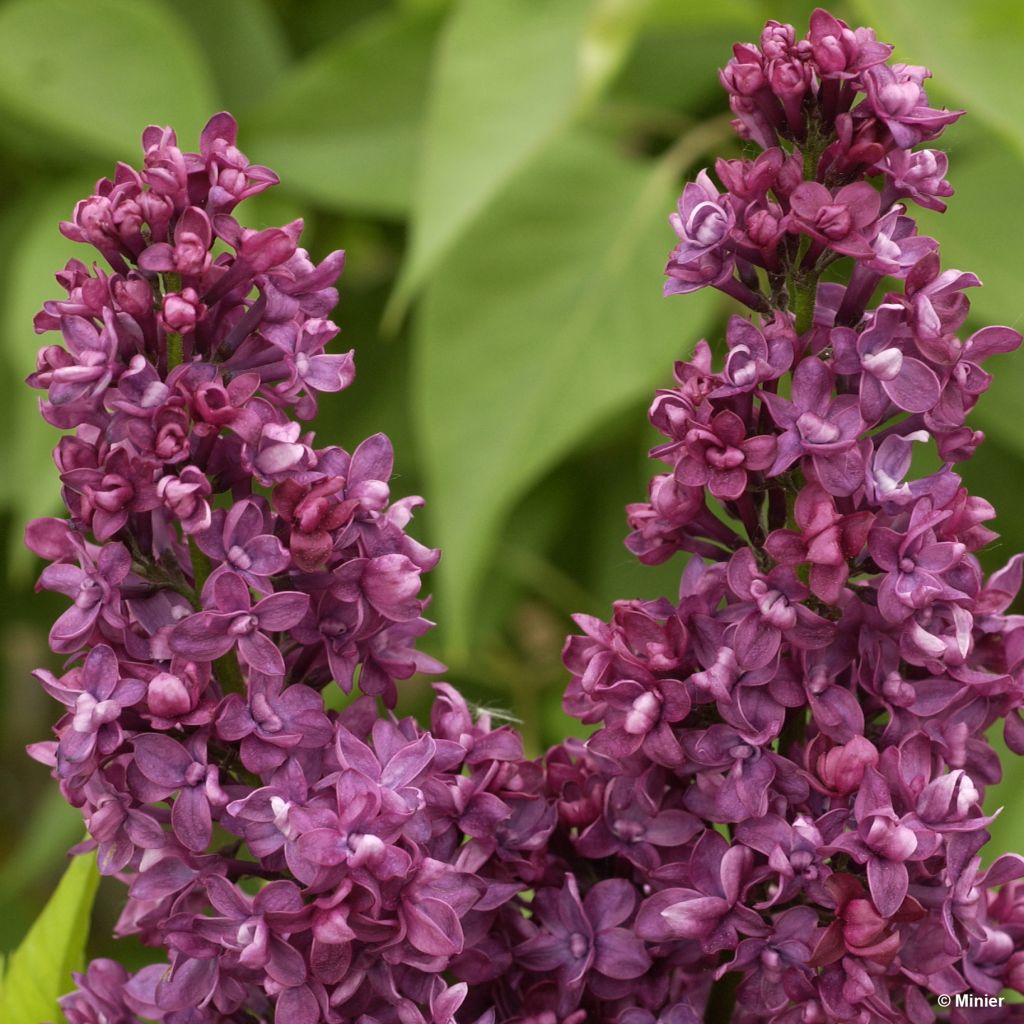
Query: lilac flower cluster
{"x": 791, "y": 757}
{"x": 222, "y": 570}
{"x": 777, "y": 819}
{"x": 377, "y": 859}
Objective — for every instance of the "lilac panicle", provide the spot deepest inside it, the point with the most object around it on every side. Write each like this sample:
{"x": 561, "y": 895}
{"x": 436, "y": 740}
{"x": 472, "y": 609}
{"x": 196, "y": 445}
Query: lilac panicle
{"x": 790, "y": 758}
{"x": 222, "y": 570}
{"x": 778, "y": 816}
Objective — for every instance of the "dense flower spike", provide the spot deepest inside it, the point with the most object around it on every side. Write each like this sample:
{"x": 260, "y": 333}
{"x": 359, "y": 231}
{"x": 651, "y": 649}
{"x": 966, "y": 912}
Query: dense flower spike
{"x": 222, "y": 570}
{"x": 811, "y": 710}
{"x": 778, "y": 817}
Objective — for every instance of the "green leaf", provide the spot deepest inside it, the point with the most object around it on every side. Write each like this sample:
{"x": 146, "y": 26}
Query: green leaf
{"x": 244, "y": 48}
{"x": 607, "y": 40}
{"x": 544, "y": 320}
{"x": 44, "y": 833}
{"x": 675, "y": 62}
{"x": 965, "y": 45}
{"x": 976, "y": 234}
{"x": 311, "y": 23}
{"x": 510, "y": 76}
{"x": 96, "y": 74}
{"x": 39, "y": 970}
{"x": 40, "y": 251}
{"x": 342, "y": 127}
{"x": 425, "y": 5}
{"x": 749, "y": 14}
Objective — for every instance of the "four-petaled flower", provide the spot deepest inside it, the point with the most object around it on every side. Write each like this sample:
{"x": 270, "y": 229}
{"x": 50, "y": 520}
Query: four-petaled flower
{"x": 238, "y": 623}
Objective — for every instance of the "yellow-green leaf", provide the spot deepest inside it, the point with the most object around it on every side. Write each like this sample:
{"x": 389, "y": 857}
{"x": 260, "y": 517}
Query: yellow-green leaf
{"x": 510, "y": 77}
{"x": 542, "y": 322}
{"x": 95, "y": 74}
{"x": 39, "y": 970}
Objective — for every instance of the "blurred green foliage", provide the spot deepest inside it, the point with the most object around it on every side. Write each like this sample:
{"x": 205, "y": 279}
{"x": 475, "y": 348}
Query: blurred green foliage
{"x": 499, "y": 172}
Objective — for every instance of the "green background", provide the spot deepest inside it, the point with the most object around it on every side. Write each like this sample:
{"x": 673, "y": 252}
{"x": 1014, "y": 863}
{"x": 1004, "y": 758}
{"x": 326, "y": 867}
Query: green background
{"x": 500, "y": 172}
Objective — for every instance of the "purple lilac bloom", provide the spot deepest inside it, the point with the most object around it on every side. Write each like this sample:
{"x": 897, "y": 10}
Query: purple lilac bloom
{"x": 790, "y": 760}
{"x": 777, "y": 819}
{"x": 196, "y": 741}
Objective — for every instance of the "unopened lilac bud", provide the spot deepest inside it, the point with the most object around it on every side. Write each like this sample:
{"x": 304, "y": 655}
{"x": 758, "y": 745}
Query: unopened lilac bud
{"x": 133, "y": 295}
{"x": 778, "y": 40}
{"x": 959, "y": 445}
{"x": 790, "y": 175}
{"x": 95, "y": 221}
{"x": 764, "y": 228}
{"x": 157, "y": 211}
{"x": 181, "y": 310}
{"x": 897, "y": 690}
{"x": 789, "y": 79}
{"x": 1013, "y": 977}
{"x": 166, "y": 170}
{"x": 168, "y": 696}
{"x": 744, "y": 75}
{"x": 185, "y": 496}
{"x": 213, "y": 404}
{"x": 842, "y": 768}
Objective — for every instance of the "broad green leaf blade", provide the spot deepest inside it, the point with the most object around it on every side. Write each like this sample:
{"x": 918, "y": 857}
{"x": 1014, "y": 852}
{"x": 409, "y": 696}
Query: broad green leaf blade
{"x": 543, "y": 321}
{"x": 39, "y": 970}
{"x": 982, "y": 226}
{"x": 673, "y": 68}
{"x": 748, "y": 14}
{"x": 92, "y": 74}
{"x": 425, "y": 5}
{"x": 607, "y": 40}
{"x": 510, "y": 75}
{"x": 342, "y": 127}
{"x": 244, "y": 47}
{"x": 968, "y": 46}
{"x": 44, "y": 834}
{"x": 40, "y": 251}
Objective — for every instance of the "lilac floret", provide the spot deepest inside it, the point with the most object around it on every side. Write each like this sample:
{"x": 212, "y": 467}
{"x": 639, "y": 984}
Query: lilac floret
{"x": 236, "y": 622}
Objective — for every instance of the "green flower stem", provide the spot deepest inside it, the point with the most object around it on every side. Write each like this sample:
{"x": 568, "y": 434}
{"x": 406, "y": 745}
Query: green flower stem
{"x": 175, "y": 350}
{"x": 803, "y": 306}
{"x": 723, "y": 999}
{"x": 175, "y": 346}
{"x": 201, "y": 567}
